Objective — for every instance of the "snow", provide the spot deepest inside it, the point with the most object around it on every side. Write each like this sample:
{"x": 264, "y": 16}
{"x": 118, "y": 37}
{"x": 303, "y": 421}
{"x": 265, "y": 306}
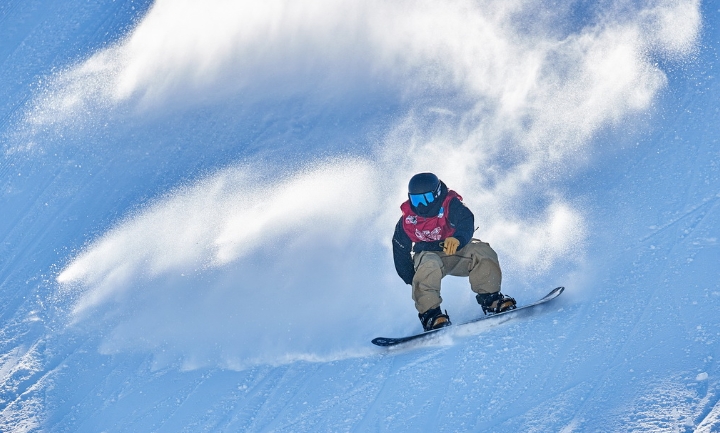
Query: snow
{"x": 197, "y": 200}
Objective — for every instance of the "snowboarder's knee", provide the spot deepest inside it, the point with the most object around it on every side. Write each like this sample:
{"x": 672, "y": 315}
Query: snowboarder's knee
{"x": 480, "y": 250}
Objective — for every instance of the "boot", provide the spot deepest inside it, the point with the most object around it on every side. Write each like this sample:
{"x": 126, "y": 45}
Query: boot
{"x": 495, "y": 302}
{"x": 434, "y": 319}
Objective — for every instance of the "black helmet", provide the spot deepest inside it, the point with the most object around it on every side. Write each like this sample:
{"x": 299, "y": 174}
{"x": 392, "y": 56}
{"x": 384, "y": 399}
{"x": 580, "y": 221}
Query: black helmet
{"x": 423, "y": 189}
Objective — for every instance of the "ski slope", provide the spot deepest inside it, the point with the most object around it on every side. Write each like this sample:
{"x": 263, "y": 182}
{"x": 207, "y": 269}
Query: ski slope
{"x": 197, "y": 200}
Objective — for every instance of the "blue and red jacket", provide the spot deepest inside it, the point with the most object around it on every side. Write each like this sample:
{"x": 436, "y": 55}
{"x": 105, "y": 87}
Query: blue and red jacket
{"x": 414, "y": 232}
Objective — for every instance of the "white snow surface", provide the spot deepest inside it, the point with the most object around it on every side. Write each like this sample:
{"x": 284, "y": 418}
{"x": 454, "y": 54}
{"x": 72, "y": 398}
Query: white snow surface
{"x": 197, "y": 200}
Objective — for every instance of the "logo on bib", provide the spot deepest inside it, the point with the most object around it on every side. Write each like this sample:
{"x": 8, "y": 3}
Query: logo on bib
{"x": 429, "y": 236}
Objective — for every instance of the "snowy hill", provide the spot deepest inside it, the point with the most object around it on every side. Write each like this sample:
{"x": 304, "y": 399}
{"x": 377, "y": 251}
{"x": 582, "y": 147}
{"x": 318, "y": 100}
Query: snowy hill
{"x": 197, "y": 200}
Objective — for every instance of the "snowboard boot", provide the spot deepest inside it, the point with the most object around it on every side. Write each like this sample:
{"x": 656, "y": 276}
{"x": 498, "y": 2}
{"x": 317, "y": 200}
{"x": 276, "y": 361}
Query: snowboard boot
{"x": 434, "y": 319}
{"x": 495, "y": 302}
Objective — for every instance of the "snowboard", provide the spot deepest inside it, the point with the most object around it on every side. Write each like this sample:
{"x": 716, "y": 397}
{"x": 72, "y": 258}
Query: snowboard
{"x": 385, "y": 342}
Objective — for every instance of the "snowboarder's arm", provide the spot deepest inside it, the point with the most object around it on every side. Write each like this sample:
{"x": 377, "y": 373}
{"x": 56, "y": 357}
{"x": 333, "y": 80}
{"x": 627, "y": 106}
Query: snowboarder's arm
{"x": 463, "y": 220}
{"x": 402, "y": 245}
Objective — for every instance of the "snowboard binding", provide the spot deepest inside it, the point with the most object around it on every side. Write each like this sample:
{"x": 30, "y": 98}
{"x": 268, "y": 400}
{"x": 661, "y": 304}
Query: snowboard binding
{"x": 493, "y": 303}
{"x": 434, "y": 318}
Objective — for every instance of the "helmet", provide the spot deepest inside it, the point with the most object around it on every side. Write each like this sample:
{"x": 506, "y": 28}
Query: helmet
{"x": 423, "y": 189}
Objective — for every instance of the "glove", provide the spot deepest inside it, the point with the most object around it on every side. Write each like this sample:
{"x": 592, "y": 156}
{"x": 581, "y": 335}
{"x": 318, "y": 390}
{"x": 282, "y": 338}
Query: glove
{"x": 450, "y": 246}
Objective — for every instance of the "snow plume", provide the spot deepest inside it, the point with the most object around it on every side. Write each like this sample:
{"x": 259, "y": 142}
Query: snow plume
{"x": 223, "y": 219}
{"x": 236, "y": 258}
{"x": 500, "y": 99}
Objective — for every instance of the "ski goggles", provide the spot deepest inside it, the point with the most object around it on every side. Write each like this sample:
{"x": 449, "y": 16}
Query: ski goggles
{"x": 424, "y": 198}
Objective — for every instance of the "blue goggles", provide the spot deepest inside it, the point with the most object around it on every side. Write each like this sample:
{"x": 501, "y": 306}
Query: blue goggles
{"x": 424, "y": 198}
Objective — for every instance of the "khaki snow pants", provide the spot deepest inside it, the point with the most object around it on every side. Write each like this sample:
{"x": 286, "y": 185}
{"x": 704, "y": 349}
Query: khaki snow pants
{"x": 476, "y": 260}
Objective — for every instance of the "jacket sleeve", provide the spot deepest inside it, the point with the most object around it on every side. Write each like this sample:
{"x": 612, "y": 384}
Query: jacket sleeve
{"x": 402, "y": 245}
{"x": 463, "y": 220}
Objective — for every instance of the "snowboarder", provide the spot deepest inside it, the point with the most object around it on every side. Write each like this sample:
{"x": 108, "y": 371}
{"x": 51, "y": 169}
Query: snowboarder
{"x": 432, "y": 239}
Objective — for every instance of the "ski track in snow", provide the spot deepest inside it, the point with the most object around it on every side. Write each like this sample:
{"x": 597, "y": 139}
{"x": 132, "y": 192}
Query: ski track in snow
{"x": 708, "y": 202}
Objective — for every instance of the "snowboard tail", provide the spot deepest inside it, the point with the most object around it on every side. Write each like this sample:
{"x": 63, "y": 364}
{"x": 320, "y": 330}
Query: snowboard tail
{"x": 385, "y": 341}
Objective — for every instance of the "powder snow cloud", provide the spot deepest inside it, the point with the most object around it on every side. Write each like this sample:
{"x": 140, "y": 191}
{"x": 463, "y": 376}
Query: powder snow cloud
{"x": 500, "y": 98}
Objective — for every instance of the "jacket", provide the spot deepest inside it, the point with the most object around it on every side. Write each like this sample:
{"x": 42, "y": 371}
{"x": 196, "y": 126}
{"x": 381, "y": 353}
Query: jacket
{"x": 459, "y": 217}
